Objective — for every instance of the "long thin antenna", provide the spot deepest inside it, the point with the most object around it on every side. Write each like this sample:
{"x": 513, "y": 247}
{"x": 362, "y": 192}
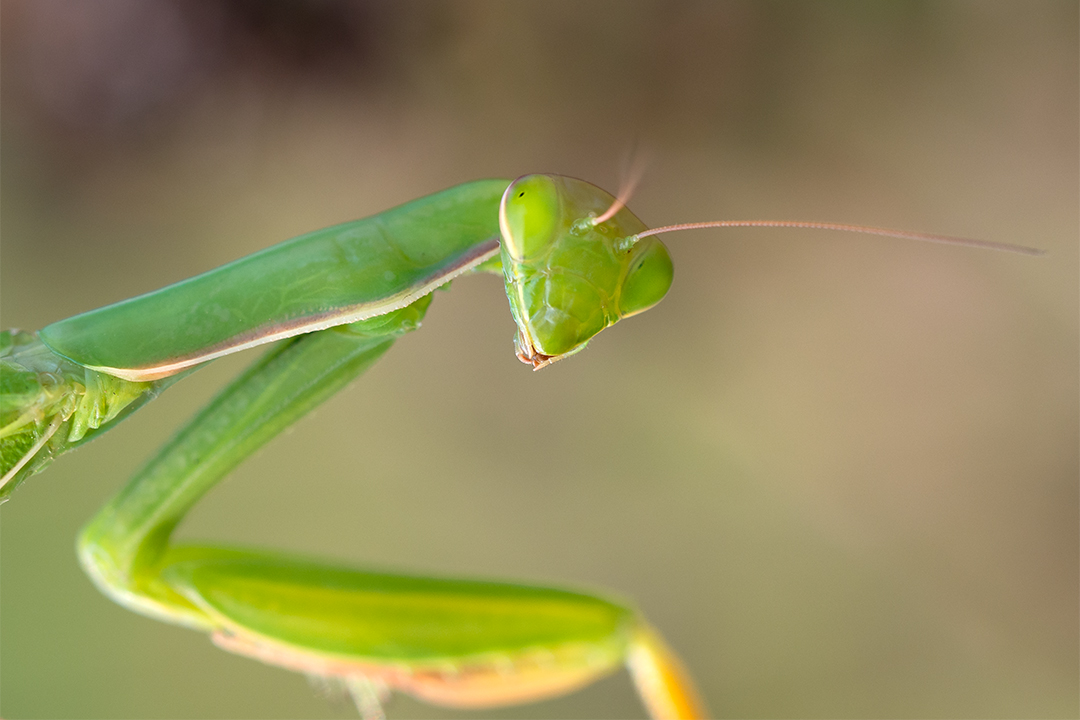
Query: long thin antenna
{"x": 633, "y": 177}
{"x": 903, "y": 234}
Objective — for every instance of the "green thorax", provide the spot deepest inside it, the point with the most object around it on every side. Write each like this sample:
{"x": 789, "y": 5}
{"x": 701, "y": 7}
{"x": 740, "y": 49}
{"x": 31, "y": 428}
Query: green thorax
{"x": 329, "y": 277}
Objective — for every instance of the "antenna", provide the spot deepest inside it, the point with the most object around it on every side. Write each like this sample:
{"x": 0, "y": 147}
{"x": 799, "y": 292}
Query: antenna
{"x": 633, "y": 177}
{"x": 863, "y": 229}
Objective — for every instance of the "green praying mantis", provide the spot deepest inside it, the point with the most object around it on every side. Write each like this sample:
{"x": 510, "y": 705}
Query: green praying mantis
{"x": 574, "y": 260}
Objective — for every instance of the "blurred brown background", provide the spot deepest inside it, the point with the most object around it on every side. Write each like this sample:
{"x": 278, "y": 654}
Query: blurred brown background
{"x": 839, "y": 473}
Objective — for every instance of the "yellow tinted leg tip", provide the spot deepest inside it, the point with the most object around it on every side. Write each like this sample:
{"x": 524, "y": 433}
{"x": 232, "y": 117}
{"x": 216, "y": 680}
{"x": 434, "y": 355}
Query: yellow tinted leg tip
{"x": 662, "y": 682}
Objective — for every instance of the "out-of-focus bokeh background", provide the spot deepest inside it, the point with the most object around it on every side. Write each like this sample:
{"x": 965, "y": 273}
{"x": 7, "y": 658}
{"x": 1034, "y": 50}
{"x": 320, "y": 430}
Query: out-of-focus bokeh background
{"x": 839, "y": 473}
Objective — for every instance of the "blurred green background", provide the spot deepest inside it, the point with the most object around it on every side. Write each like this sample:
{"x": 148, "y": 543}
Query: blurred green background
{"x": 839, "y": 473}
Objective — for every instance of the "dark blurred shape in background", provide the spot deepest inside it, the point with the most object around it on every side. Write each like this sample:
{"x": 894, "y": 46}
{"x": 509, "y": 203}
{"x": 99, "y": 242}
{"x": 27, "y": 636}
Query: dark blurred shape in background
{"x": 113, "y": 71}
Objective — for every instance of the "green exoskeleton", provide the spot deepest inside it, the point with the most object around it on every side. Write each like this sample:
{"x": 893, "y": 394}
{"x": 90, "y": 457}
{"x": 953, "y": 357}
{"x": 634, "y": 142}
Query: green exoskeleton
{"x": 574, "y": 259}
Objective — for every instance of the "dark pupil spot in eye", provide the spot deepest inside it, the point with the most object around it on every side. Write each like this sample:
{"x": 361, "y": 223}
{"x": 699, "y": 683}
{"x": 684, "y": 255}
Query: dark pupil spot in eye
{"x": 521, "y": 194}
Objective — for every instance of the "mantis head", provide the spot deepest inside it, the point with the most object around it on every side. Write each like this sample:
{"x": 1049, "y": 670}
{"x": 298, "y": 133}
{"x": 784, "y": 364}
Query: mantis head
{"x": 573, "y": 265}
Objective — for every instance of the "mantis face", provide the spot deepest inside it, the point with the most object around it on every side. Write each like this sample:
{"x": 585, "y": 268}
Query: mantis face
{"x": 566, "y": 277}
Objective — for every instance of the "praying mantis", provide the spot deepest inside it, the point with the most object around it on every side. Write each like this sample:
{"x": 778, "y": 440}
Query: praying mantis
{"x": 574, "y": 259}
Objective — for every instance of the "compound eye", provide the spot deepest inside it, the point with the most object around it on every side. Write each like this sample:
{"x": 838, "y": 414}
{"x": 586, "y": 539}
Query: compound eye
{"x": 648, "y": 279}
{"x": 528, "y": 216}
